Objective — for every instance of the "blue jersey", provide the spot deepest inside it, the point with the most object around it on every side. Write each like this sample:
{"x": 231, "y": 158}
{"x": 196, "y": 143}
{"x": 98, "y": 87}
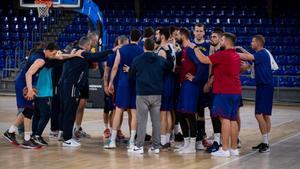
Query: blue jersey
{"x": 262, "y": 68}
{"x": 204, "y": 68}
{"x": 20, "y": 80}
{"x": 127, "y": 54}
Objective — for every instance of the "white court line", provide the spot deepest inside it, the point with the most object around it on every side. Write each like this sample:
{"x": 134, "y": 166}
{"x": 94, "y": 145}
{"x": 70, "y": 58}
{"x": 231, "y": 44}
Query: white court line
{"x": 282, "y": 123}
{"x": 254, "y": 152}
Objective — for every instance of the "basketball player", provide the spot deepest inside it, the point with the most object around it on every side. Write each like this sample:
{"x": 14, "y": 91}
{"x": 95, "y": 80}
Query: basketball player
{"x": 264, "y": 88}
{"x": 148, "y": 34}
{"x": 167, "y": 103}
{"x": 125, "y": 93}
{"x": 199, "y": 40}
{"x": 215, "y": 45}
{"x": 190, "y": 79}
{"x": 227, "y": 92}
{"x": 173, "y": 42}
{"x": 110, "y": 98}
{"x": 28, "y": 78}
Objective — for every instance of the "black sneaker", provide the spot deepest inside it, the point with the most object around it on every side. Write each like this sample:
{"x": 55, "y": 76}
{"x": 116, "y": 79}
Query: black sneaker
{"x": 215, "y": 147}
{"x": 39, "y": 140}
{"x": 179, "y": 137}
{"x": 165, "y": 147}
{"x": 257, "y": 147}
{"x": 264, "y": 148}
{"x": 30, "y": 144}
{"x": 11, "y": 137}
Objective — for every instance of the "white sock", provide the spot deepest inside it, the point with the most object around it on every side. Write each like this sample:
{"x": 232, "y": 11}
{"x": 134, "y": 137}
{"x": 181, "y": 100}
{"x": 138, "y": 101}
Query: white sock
{"x": 13, "y": 129}
{"x": 132, "y": 135}
{"x": 26, "y": 136}
{"x": 113, "y": 135}
{"x": 168, "y": 135}
{"x": 77, "y": 127}
{"x": 163, "y": 139}
{"x": 217, "y": 137}
{"x": 176, "y": 129}
{"x": 106, "y": 125}
{"x": 265, "y": 138}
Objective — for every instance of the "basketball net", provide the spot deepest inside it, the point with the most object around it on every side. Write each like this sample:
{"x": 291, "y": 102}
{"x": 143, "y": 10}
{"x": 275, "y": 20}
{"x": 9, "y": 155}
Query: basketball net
{"x": 43, "y": 7}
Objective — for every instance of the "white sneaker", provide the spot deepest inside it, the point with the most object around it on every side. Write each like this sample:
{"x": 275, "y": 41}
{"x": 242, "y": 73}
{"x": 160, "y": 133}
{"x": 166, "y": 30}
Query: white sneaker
{"x": 60, "y": 136}
{"x": 234, "y": 152}
{"x": 71, "y": 143}
{"x": 185, "y": 144}
{"x": 110, "y": 144}
{"x": 153, "y": 150}
{"x": 221, "y": 153}
{"x": 53, "y": 134}
{"x": 178, "y": 146}
{"x": 199, "y": 145}
{"x": 190, "y": 149}
{"x": 130, "y": 145}
{"x": 136, "y": 150}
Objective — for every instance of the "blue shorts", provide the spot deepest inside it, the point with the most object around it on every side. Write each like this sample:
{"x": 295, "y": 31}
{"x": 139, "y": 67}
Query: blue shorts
{"x": 84, "y": 92}
{"x": 226, "y": 106}
{"x": 188, "y": 97}
{"x": 167, "y": 103}
{"x": 126, "y": 97}
{"x": 21, "y": 101}
{"x": 264, "y": 99}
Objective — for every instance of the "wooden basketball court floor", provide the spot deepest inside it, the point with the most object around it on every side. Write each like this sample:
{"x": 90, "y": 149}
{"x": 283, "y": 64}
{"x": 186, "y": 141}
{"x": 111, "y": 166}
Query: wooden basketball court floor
{"x": 285, "y": 146}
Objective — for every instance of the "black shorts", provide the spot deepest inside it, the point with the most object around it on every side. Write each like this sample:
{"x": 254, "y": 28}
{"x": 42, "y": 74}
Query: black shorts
{"x": 84, "y": 92}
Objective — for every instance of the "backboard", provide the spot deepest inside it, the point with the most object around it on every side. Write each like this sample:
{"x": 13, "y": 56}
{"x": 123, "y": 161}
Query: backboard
{"x": 56, "y": 4}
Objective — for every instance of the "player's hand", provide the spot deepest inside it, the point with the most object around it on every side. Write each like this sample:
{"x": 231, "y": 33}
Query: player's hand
{"x": 78, "y": 53}
{"x": 240, "y": 48}
{"x": 30, "y": 94}
{"x": 189, "y": 77}
{"x": 106, "y": 90}
{"x": 126, "y": 68}
{"x": 111, "y": 88}
{"x": 191, "y": 45}
{"x": 206, "y": 87}
{"x": 116, "y": 48}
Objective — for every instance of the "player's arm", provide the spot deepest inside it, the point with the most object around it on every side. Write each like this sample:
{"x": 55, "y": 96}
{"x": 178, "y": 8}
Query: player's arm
{"x": 162, "y": 53}
{"x": 201, "y": 57}
{"x": 105, "y": 78}
{"x": 114, "y": 71}
{"x": 244, "y": 67}
{"x": 245, "y": 55}
{"x": 63, "y": 56}
{"x": 28, "y": 77}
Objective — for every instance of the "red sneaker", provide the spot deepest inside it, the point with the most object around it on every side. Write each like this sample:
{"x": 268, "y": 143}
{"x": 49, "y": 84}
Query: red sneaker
{"x": 106, "y": 133}
{"x": 206, "y": 143}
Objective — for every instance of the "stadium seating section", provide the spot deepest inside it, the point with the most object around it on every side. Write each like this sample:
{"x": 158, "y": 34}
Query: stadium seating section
{"x": 282, "y": 33}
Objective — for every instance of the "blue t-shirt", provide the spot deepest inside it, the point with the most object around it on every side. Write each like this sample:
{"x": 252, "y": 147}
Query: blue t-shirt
{"x": 203, "y": 68}
{"x": 44, "y": 83}
{"x": 127, "y": 54}
{"x": 262, "y": 68}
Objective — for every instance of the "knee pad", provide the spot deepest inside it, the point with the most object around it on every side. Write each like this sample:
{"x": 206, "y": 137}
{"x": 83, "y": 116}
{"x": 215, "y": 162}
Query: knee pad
{"x": 28, "y": 113}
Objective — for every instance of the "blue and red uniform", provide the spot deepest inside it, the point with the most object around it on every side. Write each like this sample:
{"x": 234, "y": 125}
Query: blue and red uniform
{"x": 126, "y": 94}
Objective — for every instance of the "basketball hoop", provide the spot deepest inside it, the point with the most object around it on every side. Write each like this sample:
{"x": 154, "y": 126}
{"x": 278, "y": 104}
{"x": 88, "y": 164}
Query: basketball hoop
{"x": 43, "y": 7}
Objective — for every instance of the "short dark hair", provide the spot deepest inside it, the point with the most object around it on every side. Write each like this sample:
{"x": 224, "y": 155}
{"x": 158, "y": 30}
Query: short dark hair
{"x": 185, "y": 32}
{"x": 200, "y": 25}
{"x": 260, "y": 38}
{"x": 51, "y": 46}
{"x": 218, "y": 30}
{"x": 149, "y": 44}
{"x": 164, "y": 31}
{"x": 135, "y": 35}
{"x": 148, "y": 32}
{"x": 83, "y": 40}
{"x": 173, "y": 29}
{"x": 230, "y": 36}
